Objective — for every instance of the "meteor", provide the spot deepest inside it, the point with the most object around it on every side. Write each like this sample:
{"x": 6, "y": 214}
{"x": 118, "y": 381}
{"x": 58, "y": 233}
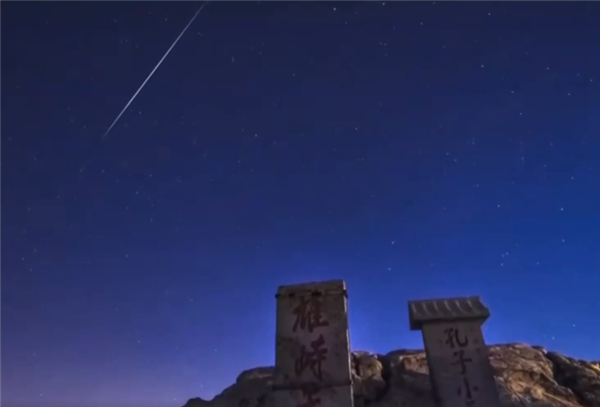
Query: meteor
{"x": 154, "y": 70}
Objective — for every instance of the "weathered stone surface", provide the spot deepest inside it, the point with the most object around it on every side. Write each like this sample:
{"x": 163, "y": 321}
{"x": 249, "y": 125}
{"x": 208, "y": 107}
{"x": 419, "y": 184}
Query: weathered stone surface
{"x": 459, "y": 365}
{"x": 312, "y": 352}
{"x": 526, "y": 376}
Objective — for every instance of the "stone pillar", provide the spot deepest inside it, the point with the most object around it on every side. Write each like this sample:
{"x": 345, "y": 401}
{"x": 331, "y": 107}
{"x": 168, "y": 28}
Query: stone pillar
{"x": 459, "y": 367}
{"x": 312, "y": 351}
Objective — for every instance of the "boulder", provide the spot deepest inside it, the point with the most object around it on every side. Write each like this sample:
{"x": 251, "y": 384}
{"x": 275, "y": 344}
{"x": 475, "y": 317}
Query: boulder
{"x": 526, "y": 376}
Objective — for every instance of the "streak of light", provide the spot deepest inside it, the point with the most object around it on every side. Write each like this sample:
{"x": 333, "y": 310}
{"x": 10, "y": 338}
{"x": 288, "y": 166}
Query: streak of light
{"x": 154, "y": 70}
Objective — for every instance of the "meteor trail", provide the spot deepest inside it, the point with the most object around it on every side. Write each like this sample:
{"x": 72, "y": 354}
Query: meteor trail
{"x": 154, "y": 70}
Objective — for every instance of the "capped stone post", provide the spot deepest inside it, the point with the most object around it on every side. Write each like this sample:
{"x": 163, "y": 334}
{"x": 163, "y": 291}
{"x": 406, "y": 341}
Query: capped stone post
{"x": 459, "y": 367}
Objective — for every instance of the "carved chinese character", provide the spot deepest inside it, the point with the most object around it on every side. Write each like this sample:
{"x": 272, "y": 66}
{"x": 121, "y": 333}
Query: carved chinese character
{"x": 468, "y": 392}
{"x": 261, "y": 399}
{"x": 462, "y": 361}
{"x": 309, "y": 392}
{"x": 309, "y": 314}
{"x": 453, "y": 339}
{"x": 312, "y": 359}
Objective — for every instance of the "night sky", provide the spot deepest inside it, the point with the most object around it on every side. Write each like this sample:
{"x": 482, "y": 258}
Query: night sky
{"x": 415, "y": 150}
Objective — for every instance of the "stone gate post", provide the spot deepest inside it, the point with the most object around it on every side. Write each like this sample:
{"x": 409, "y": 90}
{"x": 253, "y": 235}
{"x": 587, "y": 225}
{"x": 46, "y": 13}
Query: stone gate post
{"x": 312, "y": 350}
{"x": 457, "y": 356}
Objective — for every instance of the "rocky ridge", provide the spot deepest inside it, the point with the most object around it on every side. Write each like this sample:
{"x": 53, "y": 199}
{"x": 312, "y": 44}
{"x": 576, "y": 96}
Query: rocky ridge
{"x": 526, "y": 376}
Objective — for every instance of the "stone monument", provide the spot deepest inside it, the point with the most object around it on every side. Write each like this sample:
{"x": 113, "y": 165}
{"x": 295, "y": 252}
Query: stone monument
{"x": 459, "y": 367}
{"x": 312, "y": 350}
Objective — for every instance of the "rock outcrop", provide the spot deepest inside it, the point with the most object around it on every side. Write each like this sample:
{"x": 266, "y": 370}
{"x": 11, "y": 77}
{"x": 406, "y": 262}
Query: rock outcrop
{"x": 526, "y": 376}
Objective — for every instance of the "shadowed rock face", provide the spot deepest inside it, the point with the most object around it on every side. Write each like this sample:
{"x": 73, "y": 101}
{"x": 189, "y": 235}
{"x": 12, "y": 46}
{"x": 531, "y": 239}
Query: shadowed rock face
{"x": 526, "y": 376}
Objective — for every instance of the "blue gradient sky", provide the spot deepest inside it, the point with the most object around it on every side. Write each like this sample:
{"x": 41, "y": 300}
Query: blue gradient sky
{"x": 413, "y": 149}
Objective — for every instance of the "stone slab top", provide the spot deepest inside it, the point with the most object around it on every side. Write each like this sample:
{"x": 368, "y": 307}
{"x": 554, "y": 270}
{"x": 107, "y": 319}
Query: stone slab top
{"x": 317, "y": 288}
{"x": 445, "y": 310}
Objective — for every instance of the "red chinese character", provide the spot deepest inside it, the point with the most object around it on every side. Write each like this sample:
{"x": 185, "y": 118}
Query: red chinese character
{"x": 308, "y": 314}
{"x": 312, "y": 359}
{"x": 309, "y": 392}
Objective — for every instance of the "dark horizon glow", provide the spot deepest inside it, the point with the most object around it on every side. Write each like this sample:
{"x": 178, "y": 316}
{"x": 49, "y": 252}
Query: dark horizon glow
{"x": 413, "y": 149}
